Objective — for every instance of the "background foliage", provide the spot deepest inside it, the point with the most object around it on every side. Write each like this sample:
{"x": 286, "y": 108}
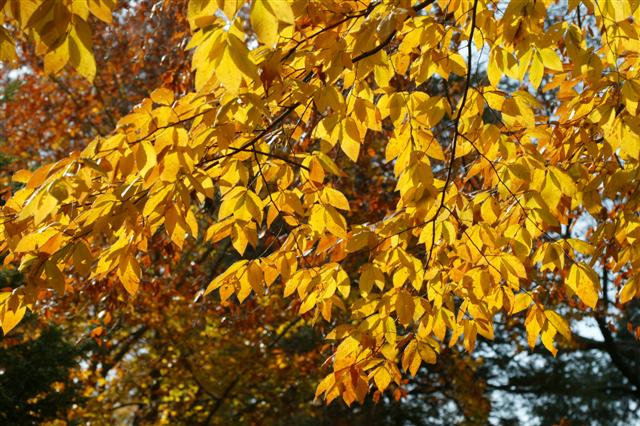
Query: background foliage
{"x": 433, "y": 186}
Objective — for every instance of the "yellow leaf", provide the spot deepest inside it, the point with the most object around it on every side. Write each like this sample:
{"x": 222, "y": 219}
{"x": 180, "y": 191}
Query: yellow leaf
{"x": 80, "y": 8}
{"x": 494, "y": 68}
{"x": 551, "y": 193}
{"x": 255, "y": 277}
{"x": 523, "y": 64}
{"x": 434, "y": 150}
{"x": 171, "y": 167}
{"x": 82, "y": 259}
{"x": 382, "y": 377}
{"x": 46, "y": 206}
{"x": 56, "y": 59}
{"x": 7, "y": 48}
{"x": 158, "y": 195}
{"x": 282, "y": 10}
{"x": 470, "y": 335}
{"x": 630, "y": 143}
{"x": 175, "y": 226}
{"x": 129, "y": 273}
{"x": 559, "y": 323}
{"x": 351, "y": 148}
{"x": 11, "y": 318}
{"x": 550, "y": 59}
{"x": 192, "y": 223}
{"x": 584, "y": 282}
{"x": 343, "y": 283}
{"x": 411, "y": 360}
{"x": 162, "y": 96}
{"x": 228, "y": 73}
{"x": 316, "y": 173}
{"x": 226, "y": 291}
{"x": 564, "y": 183}
{"x": 227, "y": 276}
{"x": 359, "y": 239}
{"x": 369, "y": 276}
{"x": 145, "y": 158}
{"x": 548, "y": 333}
{"x": 55, "y": 278}
{"x": 335, "y": 198}
{"x": 102, "y": 9}
{"x": 241, "y": 57}
{"x": 201, "y": 13}
{"x": 334, "y": 222}
{"x": 230, "y": 7}
{"x": 533, "y": 324}
{"x": 427, "y": 354}
{"x": 426, "y": 236}
{"x": 326, "y": 384}
{"x": 81, "y": 50}
{"x": 219, "y": 230}
{"x": 404, "y": 307}
{"x": 254, "y": 205}
{"x": 537, "y": 71}
{"x": 522, "y": 302}
{"x": 309, "y": 303}
{"x": 350, "y": 142}
{"x": 21, "y": 176}
{"x": 489, "y": 210}
{"x": 239, "y": 238}
{"x": 264, "y": 23}
{"x": 629, "y": 291}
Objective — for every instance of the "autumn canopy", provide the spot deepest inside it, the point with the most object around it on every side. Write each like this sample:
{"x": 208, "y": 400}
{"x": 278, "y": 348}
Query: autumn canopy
{"x": 399, "y": 174}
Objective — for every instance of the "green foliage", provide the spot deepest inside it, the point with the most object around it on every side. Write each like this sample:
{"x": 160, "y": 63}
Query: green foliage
{"x": 9, "y": 90}
{"x": 34, "y": 379}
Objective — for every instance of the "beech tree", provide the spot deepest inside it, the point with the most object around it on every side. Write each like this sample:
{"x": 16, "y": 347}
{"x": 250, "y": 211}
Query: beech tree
{"x": 404, "y": 174}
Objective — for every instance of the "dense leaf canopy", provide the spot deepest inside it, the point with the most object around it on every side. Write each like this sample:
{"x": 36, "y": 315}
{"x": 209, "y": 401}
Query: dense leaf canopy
{"x": 406, "y": 174}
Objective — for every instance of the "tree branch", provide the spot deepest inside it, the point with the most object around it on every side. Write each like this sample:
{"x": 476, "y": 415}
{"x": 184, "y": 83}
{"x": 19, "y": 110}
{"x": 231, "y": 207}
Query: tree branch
{"x": 609, "y": 343}
{"x": 124, "y": 349}
{"x": 456, "y": 134}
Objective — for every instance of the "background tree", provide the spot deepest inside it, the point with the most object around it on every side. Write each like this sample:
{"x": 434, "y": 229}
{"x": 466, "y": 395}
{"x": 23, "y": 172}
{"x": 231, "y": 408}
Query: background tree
{"x": 342, "y": 154}
{"x": 36, "y": 385}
